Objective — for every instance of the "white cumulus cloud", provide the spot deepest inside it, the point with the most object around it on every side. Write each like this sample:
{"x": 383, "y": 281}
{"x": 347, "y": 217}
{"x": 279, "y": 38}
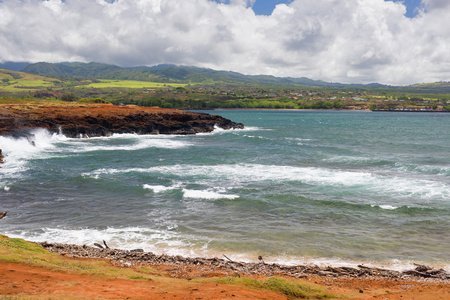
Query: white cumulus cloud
{"x": 358, "y": 41}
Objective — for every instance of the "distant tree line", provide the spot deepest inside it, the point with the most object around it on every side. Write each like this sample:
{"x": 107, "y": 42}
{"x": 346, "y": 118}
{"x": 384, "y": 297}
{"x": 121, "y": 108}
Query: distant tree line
{"x": 235, "y": 103}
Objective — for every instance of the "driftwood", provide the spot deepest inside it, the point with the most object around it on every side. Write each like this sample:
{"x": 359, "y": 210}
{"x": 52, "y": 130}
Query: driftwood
{"x": 227, "y": 266}
{"x": 98, "y": 245}
{"x": 3, "y": 214}
{"x": 227, "y": 258}
{"x": 106, "y": 246}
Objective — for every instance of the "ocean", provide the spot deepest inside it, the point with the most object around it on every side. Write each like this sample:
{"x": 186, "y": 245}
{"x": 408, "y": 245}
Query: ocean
{"x": 296, "y": 187}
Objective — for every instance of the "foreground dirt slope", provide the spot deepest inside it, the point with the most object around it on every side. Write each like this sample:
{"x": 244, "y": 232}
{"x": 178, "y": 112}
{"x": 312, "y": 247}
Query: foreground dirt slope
{"x": 23, "y": 281}
{"x": 103, "y": 120}
{"x": 20, "y": 282}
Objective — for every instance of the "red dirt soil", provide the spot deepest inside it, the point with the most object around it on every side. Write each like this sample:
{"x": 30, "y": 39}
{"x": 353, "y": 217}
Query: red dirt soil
{"x": 23, "y": 281}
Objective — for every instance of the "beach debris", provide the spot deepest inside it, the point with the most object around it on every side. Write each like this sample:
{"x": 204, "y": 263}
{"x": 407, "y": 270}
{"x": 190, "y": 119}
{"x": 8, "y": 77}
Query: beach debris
{"x": 104, "y": 243}
{"x": 427, "y": 272}
{"x": 101, "y": 246}
{"x": 228, "y": 267}
{"x": 227, "y": 258}
{"x": 3, "y": 214}
{"x": 98, "y": 245}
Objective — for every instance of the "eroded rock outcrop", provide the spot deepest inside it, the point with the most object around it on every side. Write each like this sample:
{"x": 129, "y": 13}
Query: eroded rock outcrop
{"x": 104, "y": 120}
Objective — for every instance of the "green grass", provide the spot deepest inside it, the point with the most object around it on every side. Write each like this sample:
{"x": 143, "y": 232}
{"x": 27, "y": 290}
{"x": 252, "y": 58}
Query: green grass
{"x": 30, "y": 254}
{"x": 23, "y": 81}
{"x": 25, "y": 85}
{"x": 132, "y": 84}
{"x": 293, "y": 290}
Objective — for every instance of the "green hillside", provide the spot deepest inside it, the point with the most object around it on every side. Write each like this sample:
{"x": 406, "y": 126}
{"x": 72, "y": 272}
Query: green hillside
{"x": 169, "y": 74}
{"x": 12, "y": 81}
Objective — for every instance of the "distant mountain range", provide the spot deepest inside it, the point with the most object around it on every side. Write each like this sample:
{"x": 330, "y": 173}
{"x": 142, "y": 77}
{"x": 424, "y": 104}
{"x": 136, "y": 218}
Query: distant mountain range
{"x": 194, "y": 75}
{"x": 164, "y": 73}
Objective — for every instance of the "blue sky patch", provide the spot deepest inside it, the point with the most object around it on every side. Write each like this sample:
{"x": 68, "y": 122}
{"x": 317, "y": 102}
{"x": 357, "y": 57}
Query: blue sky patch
{"x": 266, "y": 7}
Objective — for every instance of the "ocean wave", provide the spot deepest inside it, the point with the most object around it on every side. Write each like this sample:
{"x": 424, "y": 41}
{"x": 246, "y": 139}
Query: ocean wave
{"x": 210, "y": 193}
{"x": 207, "y": 194}
{"x": 256, "y": 137}
{"x": 386, "y": 207}
{"x": 103, "y": 171}
{"x": 126, "y": 142}
{"x": 18, "y": 151}
{"x": 43, "y": 144}
{"x": 159, "y": 241}
{"x": 160, "y": 188}
{"x": 389, "y": 164}
{"x": 426, "y": 169}
{"x": 241, "y": 175}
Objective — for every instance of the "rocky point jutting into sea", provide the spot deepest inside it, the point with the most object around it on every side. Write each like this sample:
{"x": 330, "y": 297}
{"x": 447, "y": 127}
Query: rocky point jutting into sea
{"x": 105, "y": 120}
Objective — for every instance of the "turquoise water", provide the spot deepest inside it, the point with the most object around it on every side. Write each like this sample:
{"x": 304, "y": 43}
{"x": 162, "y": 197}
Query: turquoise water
{"x": 295, "y": 187}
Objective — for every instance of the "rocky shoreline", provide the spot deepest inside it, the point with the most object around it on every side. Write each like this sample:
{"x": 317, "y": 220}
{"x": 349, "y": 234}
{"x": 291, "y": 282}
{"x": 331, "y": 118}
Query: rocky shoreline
{"x": 105, "y": 120}
{"x": 182, "y": 267}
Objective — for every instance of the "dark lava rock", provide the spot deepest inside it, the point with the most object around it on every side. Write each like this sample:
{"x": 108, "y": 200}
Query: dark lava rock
{"x": 104, "y": 120}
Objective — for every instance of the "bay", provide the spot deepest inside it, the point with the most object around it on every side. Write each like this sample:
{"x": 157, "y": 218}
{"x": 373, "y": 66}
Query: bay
{"x": 325, "y": 187}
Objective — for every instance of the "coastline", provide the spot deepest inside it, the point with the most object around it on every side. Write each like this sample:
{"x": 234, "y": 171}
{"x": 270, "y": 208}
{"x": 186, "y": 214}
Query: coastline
{"x": 104, "y": 120}
{"x": 83, "y": 272}
{"x": 140, "y": 258}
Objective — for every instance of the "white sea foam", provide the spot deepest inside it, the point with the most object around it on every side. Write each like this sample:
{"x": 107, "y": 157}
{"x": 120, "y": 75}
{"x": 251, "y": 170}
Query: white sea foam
{"x": 207, "y": 194}
{"x": 97, "y": 173}
{"x": 214, "y": 193}
{"x": 121, "y": 238}
{"x": 256, "y": 137}
{"x": 218, "y": 130}
{"x": 239, "y": 175}
{"x": 18, "y": 151}
{"x": 151, "y": 240}
{"x": 43, "y": 144}
{"x": 159, "y": 188}
{"x": 127, "y": 142}
{"x": 387, "y": 207}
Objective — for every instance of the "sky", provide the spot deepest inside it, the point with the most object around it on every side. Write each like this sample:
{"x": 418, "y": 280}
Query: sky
{"x": 266, "y": 7}
{"x": 348, "y": 41}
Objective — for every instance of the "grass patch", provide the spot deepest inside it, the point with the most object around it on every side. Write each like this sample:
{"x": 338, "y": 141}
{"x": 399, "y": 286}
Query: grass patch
{"x": 291, "y": 289}
{"x": 19, "y": 81}
{"x": 30, "y": 254}
{"x": 132, "y": 84}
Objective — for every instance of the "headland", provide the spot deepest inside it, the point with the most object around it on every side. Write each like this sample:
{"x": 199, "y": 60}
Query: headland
{"x": 105, "y": 119}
